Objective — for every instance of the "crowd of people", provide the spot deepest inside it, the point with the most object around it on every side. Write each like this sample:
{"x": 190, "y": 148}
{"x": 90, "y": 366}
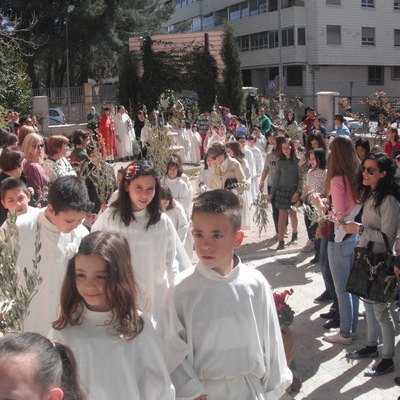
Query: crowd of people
{"x": 120, "y": 290}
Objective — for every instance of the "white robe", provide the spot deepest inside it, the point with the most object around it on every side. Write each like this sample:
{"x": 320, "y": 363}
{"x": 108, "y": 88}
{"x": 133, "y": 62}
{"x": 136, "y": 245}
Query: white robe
{"x": 157, "y": 254}
{"x": 56, "y": 249}
{"x": 123, "y": 141}
{"x": 180, "y": 191}
{"x": 222, "y": 337}
{"x": 259, "y": 166}
{"x": 184, "y": 141}
{"x": 195, "y": 143}
{"x": 113, "y": 368}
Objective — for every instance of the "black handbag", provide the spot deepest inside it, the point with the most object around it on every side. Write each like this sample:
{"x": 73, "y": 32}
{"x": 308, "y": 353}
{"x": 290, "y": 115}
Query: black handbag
{"x": 372, "y": 276}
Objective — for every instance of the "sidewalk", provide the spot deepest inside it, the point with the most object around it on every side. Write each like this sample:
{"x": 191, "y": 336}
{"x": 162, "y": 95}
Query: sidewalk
{"x": 325, "y": 372}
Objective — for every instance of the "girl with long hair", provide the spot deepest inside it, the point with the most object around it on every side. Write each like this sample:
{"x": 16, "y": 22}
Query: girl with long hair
{"x": 117, "y": 350}
{"x": 157, "y": 253}
{"x": 341, "y": 186}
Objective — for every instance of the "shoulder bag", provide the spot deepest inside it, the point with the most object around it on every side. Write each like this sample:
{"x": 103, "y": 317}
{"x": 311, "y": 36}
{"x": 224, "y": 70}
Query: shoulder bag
{"x": 372, "y": 276}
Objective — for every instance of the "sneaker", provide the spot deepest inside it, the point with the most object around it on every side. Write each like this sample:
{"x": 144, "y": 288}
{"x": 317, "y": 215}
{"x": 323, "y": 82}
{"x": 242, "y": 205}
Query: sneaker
{"x": 336, "y": 337}
{"x": 329, "y": 315}
{"x": 365, "y": 352}
{"x": 325, "y": 297}
{"x": 309, "y": 246}
{"x": 294, "y": 238}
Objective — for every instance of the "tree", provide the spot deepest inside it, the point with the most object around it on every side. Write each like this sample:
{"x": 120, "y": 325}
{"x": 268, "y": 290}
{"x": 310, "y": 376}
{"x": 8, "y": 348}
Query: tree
{"x": 202, "y": 76}
{"x": 97, "y": 31}
{"x": 129, "y": 84}
{"x": 230, "y": 91}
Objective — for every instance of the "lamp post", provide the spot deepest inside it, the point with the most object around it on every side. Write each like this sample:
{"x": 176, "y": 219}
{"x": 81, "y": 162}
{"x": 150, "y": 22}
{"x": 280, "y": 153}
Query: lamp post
{"x": 69, "y": 11}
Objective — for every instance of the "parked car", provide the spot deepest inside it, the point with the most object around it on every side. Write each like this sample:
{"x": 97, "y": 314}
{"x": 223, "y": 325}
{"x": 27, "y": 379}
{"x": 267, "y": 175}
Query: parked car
{"x": 56, "y": 116}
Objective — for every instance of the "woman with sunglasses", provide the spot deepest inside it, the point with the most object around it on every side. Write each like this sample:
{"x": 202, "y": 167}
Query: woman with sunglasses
{"x": 380, "y": 195}
{"x": 36, "y": 176}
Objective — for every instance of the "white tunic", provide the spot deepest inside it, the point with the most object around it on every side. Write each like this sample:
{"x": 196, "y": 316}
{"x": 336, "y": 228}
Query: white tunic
{"x": 195, "y": 143}
{"x": 222, "y": 337}
{"x": 157, "y": 253}
{"x": 180, "y": 191}
{"x": 114, "y": 368}
{"x": 56, "y": 249}
{"x": 123, "y": 141}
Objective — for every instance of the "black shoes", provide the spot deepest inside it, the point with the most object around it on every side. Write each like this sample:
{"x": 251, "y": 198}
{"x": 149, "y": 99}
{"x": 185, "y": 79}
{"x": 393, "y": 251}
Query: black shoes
{"x": 365, "y": 352}
{"x": 332, "y": 323}
{"x": 329, "y": 315}
{"x": 281, "y": 245}
{"x": 325, "y": 297}
{"x": 386, "y": 366}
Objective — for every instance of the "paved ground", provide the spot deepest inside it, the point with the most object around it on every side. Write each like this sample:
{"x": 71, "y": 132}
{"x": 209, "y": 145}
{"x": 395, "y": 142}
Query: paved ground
{"x": 325, "y": 373}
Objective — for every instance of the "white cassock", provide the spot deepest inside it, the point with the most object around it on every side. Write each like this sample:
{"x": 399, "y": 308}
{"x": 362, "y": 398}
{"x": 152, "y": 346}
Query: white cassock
{"x": 157, "y": 253}
{"x": 56, "y": 249}
{"x": 181, "y": 223}
{"x": 221, "y": 336}
{"x": 248, "y": 155}
{"x": 113, "y": 368}
{"x": 184, "y": 141}
{"x": 195, "y": 143}
{"x": 259, "y": 166}
{"x": 180, "y": 191}
{"x": 124, "y": 140}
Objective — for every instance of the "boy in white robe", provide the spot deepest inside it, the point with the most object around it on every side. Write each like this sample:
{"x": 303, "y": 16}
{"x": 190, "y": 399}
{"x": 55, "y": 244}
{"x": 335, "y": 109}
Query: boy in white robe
{"x": 61, "y": 231}
{"x": 219, "y": 325}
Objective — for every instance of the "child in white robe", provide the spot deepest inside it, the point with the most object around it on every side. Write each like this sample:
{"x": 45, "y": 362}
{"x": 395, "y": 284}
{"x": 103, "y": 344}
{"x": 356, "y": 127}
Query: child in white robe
{"x": 157, "y": 253}
{"x": 219, "y": 325}
{"x": 177, "y": 214}
{"x": 61, "y": 231}
{"x": 116, "y": 347}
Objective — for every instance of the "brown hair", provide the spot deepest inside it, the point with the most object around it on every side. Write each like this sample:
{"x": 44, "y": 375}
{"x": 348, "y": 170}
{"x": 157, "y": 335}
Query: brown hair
{"x": 23, "y": 131}
{"x": 236, "y": 149}
{"x": 122, "y": 288}
{"x": 343, "y": 161}
{"x": 55, "y": 143}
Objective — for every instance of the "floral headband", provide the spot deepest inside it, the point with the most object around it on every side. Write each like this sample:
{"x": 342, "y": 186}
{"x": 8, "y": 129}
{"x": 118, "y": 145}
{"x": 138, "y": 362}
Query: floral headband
{"x": 134, "y": 170}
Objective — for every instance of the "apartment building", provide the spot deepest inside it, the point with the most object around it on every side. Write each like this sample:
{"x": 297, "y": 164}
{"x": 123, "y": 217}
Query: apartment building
{"x": 347, "y": 46}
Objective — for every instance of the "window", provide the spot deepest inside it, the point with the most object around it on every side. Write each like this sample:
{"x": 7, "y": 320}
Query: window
{"x": 244, "y": 43}
{"x": 287, "y": 37}
{"x": 273, "y": 39}
{"x": 208, "y": 21}
{"x": 272, "y": 5}
{"x": 263, "y": 40}
{"x": 254, "y": 42}
{"x": 301, "y": 36}
{"x": 234, "y": 12}
{"x": 333, "y": 2}
{"x": 262, "y": 6}
{"x": 333, "y": 34}
{"x": 273, "y": 73}
{"x": 196, "y": 24}
{"x": 397, "y": 37}
{"x": 253, "y": 7}
{"x": 368, "y": 3}
{"x": 294, "y": 75}
{"x": 396, "y": 5}
{"x": 244, "y": 9}
{"x": 376, "y": 75}
{"x": 396, "y": 73}
{"x": 368, "y": 36}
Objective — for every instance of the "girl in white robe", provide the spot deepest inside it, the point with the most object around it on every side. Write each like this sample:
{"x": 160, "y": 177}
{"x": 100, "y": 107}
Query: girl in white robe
{"x": 157, "y": 253}
{"x": 116, "y": 347}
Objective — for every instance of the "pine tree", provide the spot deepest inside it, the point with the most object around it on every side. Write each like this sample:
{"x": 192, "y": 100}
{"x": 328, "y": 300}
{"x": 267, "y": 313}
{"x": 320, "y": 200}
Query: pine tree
{"x": 230, "y": 91}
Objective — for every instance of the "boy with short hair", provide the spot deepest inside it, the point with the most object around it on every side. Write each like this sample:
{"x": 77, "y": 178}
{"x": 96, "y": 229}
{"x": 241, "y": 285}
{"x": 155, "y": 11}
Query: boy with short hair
{"x": 219, "y": 325}
{"x": 15, "y": 196}
{"x": 60, "y": 234}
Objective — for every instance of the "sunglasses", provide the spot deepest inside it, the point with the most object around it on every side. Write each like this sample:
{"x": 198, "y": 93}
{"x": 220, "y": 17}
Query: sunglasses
{"x": 370, "y": 170}
{"x": 35, "y": 146}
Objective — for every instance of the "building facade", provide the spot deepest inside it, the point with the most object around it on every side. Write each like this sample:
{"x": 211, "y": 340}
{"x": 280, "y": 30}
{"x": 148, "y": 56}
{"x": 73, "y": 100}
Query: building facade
{"x": 346, "y": 46}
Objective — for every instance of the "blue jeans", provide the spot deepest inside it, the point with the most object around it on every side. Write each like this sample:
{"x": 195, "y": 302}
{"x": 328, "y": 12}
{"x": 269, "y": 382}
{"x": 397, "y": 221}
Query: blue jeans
{"x": 377, "y": 317}
{"x": 341, "y": 256}
{"x": 326, "y": 272}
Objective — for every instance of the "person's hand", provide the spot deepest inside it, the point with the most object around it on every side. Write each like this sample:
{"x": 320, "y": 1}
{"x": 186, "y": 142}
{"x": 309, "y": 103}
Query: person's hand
{"x": 202, "y": 397}
{"x": 295, "y": 197}
{"x": 318, "y": 202}
{"x": 351, "y": 227}
{"x": 302, "y": 161}
{"x": 268, "y": 197}
{"x": 397, "y": 271}
{"x": 261, "y": 186}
